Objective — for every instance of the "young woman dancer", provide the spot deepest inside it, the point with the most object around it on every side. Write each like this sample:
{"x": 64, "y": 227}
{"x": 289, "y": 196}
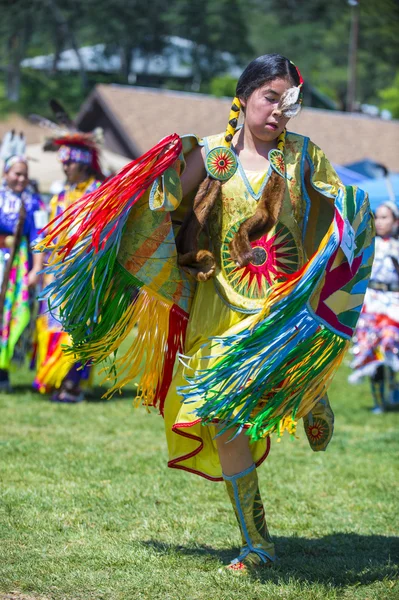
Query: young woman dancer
{"x": 244, "y": 252}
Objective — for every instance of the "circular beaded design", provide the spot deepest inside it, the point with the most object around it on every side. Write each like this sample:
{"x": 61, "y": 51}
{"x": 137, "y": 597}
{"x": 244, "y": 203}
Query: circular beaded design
{"x": 275, "y": 256}
{"x": 221, "y": 163}
{"x": 277, "y": 162}
{"x": 318, "y": 432}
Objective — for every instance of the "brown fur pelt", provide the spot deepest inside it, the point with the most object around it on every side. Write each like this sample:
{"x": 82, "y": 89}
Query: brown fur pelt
{"x": 201, "y": 263}
{"x": 265, "y": 217}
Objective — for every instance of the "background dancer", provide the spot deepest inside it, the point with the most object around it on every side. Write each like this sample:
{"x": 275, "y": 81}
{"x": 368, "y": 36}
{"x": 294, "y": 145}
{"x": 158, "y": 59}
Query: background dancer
{"x": 20, "y": 208}
{"x": 376, "y": 349}
{"x": 56, "y": 373}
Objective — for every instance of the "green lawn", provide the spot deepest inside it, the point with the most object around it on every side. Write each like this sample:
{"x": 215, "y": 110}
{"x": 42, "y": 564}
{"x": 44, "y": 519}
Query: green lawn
{"x": 89, "y": 510}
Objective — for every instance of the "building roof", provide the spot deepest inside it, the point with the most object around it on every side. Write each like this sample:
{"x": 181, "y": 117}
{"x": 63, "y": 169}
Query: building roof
{"x": 142, "y": 116}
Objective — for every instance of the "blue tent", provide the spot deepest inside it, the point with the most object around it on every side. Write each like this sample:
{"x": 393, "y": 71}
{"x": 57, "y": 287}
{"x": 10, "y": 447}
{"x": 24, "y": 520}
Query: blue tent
{"x": 347, "y": 176}
{"x": 368, "y": 168}
{"x": 379, "y": 189}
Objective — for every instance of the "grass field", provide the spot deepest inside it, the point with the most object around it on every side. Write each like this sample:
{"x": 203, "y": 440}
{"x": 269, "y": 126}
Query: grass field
{"x": 89, "y": 510}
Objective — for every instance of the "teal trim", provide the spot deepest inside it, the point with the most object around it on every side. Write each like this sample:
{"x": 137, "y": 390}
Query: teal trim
{"x": 295, "y": 133}
{"x": 246, "y": 182}
{"x": 242, "y": 172}
{"x": 152, "y": 194}
{"x": 321, "y": 191}
{"x": 245, "y": 472}
{"x": 305, "y": 157}
{"x": 191, "y": 135}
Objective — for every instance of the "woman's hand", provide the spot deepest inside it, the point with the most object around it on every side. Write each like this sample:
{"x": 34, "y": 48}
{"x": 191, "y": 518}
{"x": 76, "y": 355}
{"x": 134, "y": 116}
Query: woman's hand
{"x": 33, "y": 275}
{"x": 33, "y": 278}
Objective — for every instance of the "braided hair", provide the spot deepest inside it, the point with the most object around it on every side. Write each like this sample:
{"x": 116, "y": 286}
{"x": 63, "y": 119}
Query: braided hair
{"x": 257, "y": 73}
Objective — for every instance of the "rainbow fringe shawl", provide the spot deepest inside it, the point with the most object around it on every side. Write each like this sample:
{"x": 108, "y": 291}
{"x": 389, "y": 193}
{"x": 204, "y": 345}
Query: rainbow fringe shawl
{"x": 273, "y": 371}
{"x": 96, "y": 300}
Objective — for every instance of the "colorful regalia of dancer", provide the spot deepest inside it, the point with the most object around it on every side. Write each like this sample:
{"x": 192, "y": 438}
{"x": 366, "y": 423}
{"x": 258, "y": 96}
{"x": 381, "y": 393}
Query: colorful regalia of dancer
{"x": 20, "y": 211}
{"x": 376, "y": 348}
{"x": 56, "y": 372}
{"x": 256, "y": 276}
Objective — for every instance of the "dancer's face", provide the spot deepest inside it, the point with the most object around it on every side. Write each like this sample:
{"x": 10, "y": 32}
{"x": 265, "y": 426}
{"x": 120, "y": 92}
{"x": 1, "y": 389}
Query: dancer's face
{"x": 385, "y": 221}
{"x": 17, "y": 177}
{"x": 75, "y": 172}
{"x": 262, "y": 115}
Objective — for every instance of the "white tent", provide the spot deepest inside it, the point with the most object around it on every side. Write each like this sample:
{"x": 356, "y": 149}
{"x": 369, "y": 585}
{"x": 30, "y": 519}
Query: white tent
{"x": 45, "y": 168}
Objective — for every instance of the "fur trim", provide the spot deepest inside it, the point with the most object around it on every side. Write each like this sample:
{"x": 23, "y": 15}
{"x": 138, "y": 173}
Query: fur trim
{"x": 201, "y": 263}
{"x": 264, "y": 218}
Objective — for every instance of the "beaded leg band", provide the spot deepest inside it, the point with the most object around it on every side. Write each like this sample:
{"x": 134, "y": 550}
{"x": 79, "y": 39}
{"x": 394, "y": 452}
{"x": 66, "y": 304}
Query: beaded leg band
{"x": 257, "y": 549}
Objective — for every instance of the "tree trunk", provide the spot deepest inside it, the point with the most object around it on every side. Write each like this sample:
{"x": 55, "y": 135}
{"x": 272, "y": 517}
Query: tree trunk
{"x": 58, "y": 45}
{"x": 68, "y": 34}
{"x": 126, "y": 61}
{"x": 13, "y": 67}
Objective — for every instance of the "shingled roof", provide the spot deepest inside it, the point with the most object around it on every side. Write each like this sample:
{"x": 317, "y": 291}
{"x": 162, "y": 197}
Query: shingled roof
{"x": 142, "y": 116}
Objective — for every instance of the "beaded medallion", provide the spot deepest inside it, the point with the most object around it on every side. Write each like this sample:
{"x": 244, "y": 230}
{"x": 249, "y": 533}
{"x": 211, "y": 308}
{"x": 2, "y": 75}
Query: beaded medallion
{"x": 221, "y": 163}
{"x": 276, "y": 159}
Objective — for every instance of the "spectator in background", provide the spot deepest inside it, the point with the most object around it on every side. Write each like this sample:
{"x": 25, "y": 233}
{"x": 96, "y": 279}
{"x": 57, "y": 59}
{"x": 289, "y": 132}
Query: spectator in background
{"x": 13, "y": 144}
{"x": 20, "y": 215}
{"x": 56, "y": 373}
{"x": 377, "y": 338}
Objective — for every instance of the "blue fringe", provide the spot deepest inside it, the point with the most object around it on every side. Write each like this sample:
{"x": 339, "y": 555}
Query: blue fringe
{"x": 252, "y": 355}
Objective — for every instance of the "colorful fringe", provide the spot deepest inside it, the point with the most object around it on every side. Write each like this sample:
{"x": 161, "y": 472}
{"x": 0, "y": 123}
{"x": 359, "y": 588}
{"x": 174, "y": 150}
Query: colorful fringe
{"x": 16, "y": 305}
{"x": 54, "y": 365}
{"x": 98, "y": 301}
{"x": 274, "y": 370}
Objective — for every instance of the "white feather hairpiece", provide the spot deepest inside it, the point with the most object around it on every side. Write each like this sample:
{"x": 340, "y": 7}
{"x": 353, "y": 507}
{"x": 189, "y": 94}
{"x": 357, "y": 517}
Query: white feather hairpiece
{"x": 290, "y": 103}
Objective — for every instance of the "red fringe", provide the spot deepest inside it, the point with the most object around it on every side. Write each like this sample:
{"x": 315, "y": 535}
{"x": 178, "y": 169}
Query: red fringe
{"x": 116, "y": 195}
{"x": 178, "y": 320}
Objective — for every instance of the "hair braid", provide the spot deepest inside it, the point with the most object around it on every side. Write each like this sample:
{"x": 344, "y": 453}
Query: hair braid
{"x": 232, "y": 122}
{"x": 202, "y": 263}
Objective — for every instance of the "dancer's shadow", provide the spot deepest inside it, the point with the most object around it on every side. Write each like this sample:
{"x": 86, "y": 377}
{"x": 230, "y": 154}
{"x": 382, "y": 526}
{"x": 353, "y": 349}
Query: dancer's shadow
{"x": 93, "y": 394}
{"x": 97, "y": 393}
{"x": 339, "y": 559}
{"x": 25, "y": 387}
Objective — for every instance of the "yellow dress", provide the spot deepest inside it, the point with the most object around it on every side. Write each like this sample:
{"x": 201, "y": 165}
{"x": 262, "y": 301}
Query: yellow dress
{"x": 223, "y": 302}
{"x": 282, "y": 323}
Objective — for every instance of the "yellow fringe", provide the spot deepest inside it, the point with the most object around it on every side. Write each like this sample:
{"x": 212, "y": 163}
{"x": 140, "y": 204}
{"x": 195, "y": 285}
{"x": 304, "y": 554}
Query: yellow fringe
{"x": 317, "y": 390}
{"x": 314, "y": 391}
{"x": 287, "y": 424}
{"x": 145, "y": 357}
